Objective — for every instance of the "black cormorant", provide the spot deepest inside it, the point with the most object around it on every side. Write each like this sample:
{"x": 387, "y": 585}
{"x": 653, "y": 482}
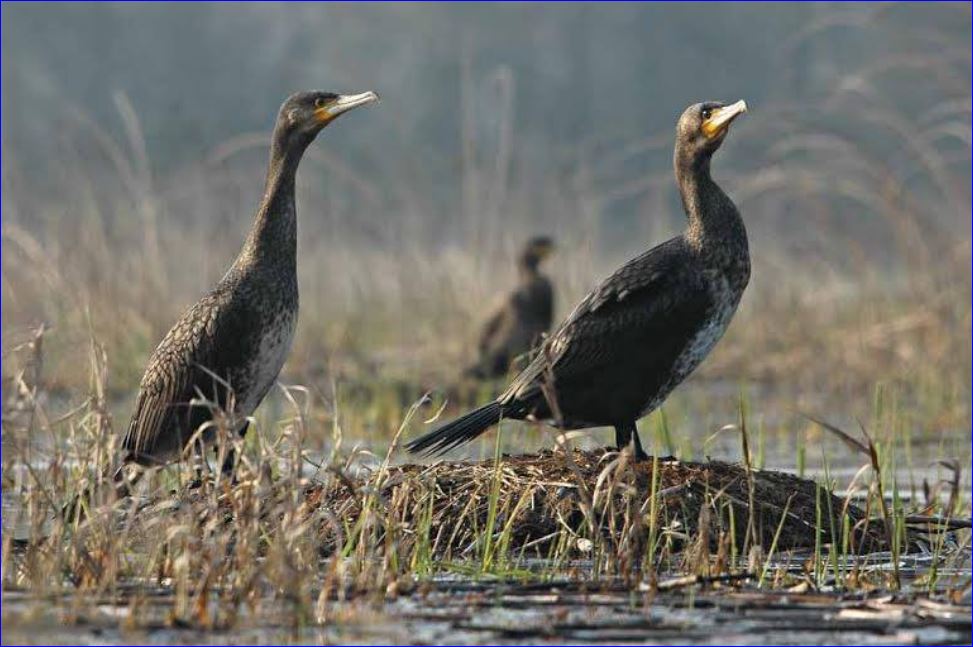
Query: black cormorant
{"x": 235, "y": 339}
{"x": 525, "y": 315}
{"x": 633, "y": 339}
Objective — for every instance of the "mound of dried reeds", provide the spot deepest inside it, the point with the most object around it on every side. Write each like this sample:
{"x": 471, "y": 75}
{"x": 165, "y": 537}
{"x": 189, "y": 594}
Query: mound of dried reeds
{"x": 581, "y": 501}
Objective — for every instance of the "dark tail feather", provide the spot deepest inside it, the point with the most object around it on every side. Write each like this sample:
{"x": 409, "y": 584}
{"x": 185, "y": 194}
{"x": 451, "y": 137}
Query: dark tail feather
{"x": 459, "y": 431}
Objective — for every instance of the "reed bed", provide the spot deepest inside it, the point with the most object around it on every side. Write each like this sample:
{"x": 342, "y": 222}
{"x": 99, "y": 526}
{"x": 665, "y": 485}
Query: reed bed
{"x": 859, "y": 308}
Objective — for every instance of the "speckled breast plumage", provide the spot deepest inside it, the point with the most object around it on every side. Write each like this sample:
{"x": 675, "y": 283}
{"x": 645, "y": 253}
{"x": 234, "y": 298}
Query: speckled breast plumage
{"x": 726, "y": 295}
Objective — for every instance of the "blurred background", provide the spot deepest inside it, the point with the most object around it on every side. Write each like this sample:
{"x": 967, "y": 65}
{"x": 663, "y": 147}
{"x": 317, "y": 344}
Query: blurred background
{"x": 135, "y": 140}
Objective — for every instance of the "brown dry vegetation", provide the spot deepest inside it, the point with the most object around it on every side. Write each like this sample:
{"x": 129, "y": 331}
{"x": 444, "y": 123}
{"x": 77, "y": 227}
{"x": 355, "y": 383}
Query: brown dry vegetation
{"x": 860, "y": 306}
{"x": 295, "y": 538}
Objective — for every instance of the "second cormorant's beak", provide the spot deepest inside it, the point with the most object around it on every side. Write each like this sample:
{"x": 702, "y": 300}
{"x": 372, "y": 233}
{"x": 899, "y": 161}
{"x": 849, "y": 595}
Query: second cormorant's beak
{"x": 343, "y": 104}
{"x": 720, "y": 120}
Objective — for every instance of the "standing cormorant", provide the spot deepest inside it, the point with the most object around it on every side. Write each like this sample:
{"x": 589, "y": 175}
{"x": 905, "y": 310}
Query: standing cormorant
{"x": 633, "y": 339}
{"x": 235, "y": 339}
{"x": 523, "y": 317}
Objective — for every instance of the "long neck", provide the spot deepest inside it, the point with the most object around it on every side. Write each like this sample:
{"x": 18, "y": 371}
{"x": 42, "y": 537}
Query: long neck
{"x": 527, "y": 269}
{"x": 715, "y": 225}
{"x": 273, "y": 235}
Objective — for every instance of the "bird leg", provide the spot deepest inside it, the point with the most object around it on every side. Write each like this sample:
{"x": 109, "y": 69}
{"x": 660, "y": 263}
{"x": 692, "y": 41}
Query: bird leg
{"x": 74, "y": 510}
{"x": 122, "y": 482}
{"x": 230, "y": 461}
{"x": 198, "y": 458}
{"x": 197, "y": 481}
{"x": 627, "y": 434}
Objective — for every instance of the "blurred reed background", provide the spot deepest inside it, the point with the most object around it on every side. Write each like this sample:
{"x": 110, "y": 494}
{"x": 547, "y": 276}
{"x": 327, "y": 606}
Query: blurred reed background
{"x": 135, "y": 138}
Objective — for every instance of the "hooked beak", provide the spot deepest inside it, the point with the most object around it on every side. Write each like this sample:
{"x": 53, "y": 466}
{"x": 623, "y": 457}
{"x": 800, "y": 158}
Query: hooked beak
{"x": 720, "y": 120}
{"x": 343, "y": 104}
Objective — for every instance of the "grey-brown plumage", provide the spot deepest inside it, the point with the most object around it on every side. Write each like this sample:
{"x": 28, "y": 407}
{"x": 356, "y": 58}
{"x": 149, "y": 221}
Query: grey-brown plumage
{"x": 227, "y": 350}
{"x": 636, "y": 336}
{"x": 522, "y": 319}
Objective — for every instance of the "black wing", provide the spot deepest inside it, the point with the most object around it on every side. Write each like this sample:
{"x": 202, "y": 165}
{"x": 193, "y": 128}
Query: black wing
{"x": 649, "y": 306}
{"x": 176, "y": 369}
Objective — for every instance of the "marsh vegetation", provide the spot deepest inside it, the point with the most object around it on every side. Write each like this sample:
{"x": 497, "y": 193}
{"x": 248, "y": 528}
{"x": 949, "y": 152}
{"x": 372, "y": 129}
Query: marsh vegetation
{"x": 847, "y": 365}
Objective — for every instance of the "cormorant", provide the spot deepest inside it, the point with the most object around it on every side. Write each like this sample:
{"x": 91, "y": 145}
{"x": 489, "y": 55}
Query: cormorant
{"x": 523, "y": 317}
{"x": 235, "y": 339}
{"x": 636, "y": 336}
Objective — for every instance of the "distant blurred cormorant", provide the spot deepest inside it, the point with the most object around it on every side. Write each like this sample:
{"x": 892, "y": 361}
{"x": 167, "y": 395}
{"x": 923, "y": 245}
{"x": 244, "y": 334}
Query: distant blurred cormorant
{"x": 523, "y": 317}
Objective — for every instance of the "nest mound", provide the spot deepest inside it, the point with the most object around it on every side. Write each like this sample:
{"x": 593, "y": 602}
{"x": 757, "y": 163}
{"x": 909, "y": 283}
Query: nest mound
{"x": 533, "y": 504}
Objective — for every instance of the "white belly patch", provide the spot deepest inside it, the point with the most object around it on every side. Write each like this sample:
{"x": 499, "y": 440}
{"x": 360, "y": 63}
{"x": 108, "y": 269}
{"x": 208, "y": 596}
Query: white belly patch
{"x": 271, "y": 354}
{"x": 699, "y": 346}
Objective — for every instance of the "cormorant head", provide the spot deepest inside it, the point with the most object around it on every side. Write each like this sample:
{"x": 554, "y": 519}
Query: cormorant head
{"x": 703, "y": 126}
{"x": 304, "y": 114}
{"x": 536, "y": 250}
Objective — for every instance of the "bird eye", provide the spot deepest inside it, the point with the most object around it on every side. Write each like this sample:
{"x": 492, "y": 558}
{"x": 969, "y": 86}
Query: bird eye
{"x": 319, "y": 102}
{"x": 707, "y": 113}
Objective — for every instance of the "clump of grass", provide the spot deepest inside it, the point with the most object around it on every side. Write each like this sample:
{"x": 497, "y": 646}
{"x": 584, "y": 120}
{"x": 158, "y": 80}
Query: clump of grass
{"x": 935, "y": 525}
